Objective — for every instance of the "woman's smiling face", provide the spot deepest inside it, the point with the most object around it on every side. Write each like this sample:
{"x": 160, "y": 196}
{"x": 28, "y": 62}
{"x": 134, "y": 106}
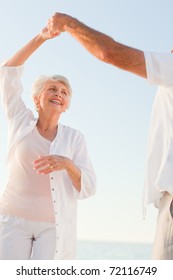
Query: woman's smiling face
{"x": 55, "y": 97}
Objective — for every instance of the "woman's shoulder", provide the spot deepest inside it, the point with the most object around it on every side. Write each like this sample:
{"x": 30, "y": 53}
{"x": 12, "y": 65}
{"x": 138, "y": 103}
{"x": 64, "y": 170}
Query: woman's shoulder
{"x": 67, "y": 130}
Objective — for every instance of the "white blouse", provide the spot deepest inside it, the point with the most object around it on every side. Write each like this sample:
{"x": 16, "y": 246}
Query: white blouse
{"x": 159, "y": 163}
{"x": 68, "y": 142}
{"x": 27, "y": 194}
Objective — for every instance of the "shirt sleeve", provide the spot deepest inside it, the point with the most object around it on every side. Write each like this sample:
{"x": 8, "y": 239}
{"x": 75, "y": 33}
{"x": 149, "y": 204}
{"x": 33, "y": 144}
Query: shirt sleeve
{"x": 83, "y": 162}
{"x": 159, "y": 68}
{"x": 11, "y": 89}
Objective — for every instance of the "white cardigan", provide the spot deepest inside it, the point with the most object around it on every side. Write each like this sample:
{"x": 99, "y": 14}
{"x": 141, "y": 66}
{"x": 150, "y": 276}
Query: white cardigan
{"x": 68, "y": 142}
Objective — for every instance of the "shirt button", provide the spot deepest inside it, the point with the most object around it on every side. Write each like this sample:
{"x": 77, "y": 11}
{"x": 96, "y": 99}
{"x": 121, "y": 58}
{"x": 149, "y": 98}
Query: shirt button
{"x": 53, "y": 189}
{"x": 51, "y": 178}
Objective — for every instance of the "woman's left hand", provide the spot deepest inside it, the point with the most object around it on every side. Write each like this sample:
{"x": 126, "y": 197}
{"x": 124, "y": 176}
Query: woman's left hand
{"x": 48, "y": 164}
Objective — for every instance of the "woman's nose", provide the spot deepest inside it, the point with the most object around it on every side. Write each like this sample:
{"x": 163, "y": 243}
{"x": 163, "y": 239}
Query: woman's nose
{"x": 58, "y": 93}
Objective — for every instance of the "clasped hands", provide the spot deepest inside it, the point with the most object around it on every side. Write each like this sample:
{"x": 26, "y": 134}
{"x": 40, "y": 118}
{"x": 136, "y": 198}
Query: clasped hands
{"x": 55, "y": 25}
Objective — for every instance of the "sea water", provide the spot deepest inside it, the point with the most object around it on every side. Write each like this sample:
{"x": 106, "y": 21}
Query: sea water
{"x": 97, "y": 250}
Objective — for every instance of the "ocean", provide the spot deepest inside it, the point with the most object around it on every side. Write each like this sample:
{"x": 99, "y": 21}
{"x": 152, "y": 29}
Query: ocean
{"x": 97, "y": 250}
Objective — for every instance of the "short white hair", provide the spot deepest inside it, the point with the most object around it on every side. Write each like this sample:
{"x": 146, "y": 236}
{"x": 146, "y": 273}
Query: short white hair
{"x": 40, "y": 82}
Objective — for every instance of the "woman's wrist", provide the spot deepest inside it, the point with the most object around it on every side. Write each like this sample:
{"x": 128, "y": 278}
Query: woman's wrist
{"x": 41, "y": 38}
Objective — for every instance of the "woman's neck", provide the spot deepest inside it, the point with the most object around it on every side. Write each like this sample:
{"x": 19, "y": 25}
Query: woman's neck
{"x": 47, "y": 128}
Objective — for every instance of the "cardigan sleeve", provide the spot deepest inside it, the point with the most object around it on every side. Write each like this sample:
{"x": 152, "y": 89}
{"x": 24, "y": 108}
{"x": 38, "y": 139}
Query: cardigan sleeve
{"x": 83, "y": 162}
{"x": 11, "y": 89}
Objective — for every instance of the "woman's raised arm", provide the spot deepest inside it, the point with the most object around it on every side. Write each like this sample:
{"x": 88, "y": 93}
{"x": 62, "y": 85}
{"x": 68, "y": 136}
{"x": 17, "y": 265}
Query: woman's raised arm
{"x": 27, "y": 50}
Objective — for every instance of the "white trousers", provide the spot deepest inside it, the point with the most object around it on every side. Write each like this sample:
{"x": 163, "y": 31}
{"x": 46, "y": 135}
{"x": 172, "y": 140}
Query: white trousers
{"x": 163, "y": 243}
{"x": 21, "y": 239}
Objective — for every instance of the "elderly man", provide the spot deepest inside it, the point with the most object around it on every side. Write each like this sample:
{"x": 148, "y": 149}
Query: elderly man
{"x": 157, "y": 68}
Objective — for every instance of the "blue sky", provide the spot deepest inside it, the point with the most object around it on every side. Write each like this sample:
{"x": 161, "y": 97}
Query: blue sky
{"x": 110, "y": 107}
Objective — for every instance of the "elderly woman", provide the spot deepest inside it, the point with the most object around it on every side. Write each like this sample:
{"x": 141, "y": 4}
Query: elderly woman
{"x": 49, "y": 168}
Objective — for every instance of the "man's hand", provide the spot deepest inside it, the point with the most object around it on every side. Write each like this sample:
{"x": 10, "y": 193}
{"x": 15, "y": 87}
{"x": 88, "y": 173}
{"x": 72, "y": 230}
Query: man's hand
{"x": 58, "y": 22}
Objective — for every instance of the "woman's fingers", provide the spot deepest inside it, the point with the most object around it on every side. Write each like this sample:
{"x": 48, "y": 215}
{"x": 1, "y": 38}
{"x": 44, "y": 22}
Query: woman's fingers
{"x": 47, "y": 164}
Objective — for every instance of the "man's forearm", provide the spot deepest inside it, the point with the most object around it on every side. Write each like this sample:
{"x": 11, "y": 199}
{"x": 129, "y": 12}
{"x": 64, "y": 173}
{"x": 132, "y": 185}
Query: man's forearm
{"x": 102, "y": 46}
{"x": 106, "y": 49}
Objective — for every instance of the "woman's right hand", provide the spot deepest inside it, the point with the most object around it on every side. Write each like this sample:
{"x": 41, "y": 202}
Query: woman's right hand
{"x": 47, "y": 34}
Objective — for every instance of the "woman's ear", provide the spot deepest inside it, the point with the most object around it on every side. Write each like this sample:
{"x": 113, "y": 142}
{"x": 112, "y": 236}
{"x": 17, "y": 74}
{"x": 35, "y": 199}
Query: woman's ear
{"x": 37, "y": 103}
